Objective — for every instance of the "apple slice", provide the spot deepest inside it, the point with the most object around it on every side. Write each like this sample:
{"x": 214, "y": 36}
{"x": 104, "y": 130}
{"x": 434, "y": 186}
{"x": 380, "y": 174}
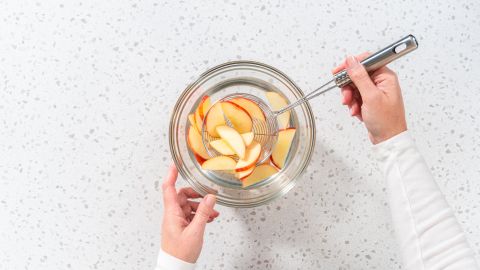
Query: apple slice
{"x": 239, "y": 118}
{"x": 222, "y": 147}
{"x": 200, "y": 112}
{"x": 196, "y": 144}
{"x": 278, "y": 102}
{"x": 219, "y": 163}
{"x": 252, "y": 153}
{"x": 203, "y": 106}
{"x": 259, "y": 173}
{"x": 248, "y": 138}
{"x": 214, "y": 118}
{"x": 282, "y": 147}
{"x": 191, "y": 119}
{"x": 251, "y": 107}
{"x": 198, "y": 121}
{"x": 233, "y": 139}
{"x": 243, "y": 174}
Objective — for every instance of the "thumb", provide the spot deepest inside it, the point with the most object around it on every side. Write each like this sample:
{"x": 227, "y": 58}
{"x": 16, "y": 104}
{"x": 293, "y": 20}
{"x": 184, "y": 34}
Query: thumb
{"x": 204, "y": 210}
{"x": 359, "y": 76}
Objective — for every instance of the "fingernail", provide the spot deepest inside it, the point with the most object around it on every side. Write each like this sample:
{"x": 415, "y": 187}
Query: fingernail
{"x": 351, "y": 111}
{"x": 210, "y": 200}
{"x": 352, "y": 62}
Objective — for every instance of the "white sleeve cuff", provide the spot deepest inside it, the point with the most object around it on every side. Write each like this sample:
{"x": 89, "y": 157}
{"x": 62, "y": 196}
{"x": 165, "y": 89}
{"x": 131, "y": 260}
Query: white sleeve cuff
{"x": 166, "y": 261}
{"x": 395, "y": 144}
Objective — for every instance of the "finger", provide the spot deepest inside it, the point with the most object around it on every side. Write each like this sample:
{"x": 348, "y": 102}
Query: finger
{"x": 385, "y": 74}
{"x": 192, "y": 215}
{"x": 204, "y": 210}
{"x": 355, "y": 110}
{"x": 187, "y": 210}
{"x": 360, "y": 78}
{"x": 210, "y": 219}
{"x": 182, "y": 198}
{"x": 363, "y": 55}
{"x": 168, "y": 187}
{"x": 194, "y": 206}
{"x": 185, "y": 193}
{"x": 383, "y": 70}
{"x": 357, "y": 99}
{"x": 341, "y": 67}
{"x": 356, "y": 94}
{"x": 190, "y": 193}
{"x": 347, "y": 94}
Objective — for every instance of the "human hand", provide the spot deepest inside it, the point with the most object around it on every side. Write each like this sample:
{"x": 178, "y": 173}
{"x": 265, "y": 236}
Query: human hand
{"x": 375, "y": 99}
{"x": 184, "y": 220}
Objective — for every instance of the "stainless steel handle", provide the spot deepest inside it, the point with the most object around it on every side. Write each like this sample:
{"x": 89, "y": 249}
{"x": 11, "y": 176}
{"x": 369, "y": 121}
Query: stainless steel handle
{"x": 381, "y": 58}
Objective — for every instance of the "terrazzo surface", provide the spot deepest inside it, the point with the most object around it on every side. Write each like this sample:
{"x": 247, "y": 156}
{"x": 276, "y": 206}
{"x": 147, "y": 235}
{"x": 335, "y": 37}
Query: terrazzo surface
{"x": 88, "y": 87}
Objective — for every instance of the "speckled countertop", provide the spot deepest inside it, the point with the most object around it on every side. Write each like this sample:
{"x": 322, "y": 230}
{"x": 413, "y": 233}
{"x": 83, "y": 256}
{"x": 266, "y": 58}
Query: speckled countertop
{"x": 86, "y": 92}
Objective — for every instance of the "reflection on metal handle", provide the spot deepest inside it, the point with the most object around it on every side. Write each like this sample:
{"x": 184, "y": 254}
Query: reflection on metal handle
{"x": 381, "y": 58}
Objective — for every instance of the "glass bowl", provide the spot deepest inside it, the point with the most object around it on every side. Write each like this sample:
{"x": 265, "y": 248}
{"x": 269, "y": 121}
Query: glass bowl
{"x": 241, "y": 77}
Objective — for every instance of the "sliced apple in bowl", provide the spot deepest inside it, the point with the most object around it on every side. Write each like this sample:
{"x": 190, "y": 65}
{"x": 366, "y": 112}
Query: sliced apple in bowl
{"x": 201, "y": 110}
{"x": 204, "y": 106}
{"x": 240, "y": 119}
{"x": 259, "y": 174}
{"x": 191, "y": 119}
{"x": 219, "y": 163}
{"x": 243, "y": 174}
{"x": 222, "y": 147}
{"x": 278, "y": 102}
{"x": 251, "y": 107}
{"x": 213, "y": 119}
{"x": 195, "y": 143}
{"x": 282, "y": 147}
{"x": 198, "y": 121}
{"x": 235, "y": 142}
{"x": 248, "y": 138}
{"x": 233, "y": 139}
{"x": 252, "y": 154}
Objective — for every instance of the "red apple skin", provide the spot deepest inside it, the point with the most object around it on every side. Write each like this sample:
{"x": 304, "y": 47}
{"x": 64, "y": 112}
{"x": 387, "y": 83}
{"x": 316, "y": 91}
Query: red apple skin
{"x": 251, "y": 165}
{"x": 241, "y": 108}
{"x": 273, "y": 163}
{"x": 244, "y": 111}
{"x": 248, "y": 167}
{"x": 238, "y": 106}
{"x": 199, "y": 159}
{"x": 191, "y": 148}
{"x": 264, "y": 116}
{"x": 200, "y": 107}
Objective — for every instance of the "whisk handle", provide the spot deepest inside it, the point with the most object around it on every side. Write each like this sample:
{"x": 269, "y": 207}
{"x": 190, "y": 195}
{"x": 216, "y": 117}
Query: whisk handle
{"x": 381, "y": 58}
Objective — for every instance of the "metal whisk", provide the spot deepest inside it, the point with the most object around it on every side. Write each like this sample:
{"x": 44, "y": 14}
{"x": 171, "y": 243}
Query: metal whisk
{"x": 266, "y": 131}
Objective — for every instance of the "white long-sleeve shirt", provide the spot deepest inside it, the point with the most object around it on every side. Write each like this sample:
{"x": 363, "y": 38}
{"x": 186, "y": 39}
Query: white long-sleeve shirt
{"x": 426, "y": 229}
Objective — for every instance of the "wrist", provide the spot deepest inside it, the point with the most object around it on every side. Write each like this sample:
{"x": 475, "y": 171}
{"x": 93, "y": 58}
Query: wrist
{"x": 179, "y": 254}
{"x": 379, "y": 138}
